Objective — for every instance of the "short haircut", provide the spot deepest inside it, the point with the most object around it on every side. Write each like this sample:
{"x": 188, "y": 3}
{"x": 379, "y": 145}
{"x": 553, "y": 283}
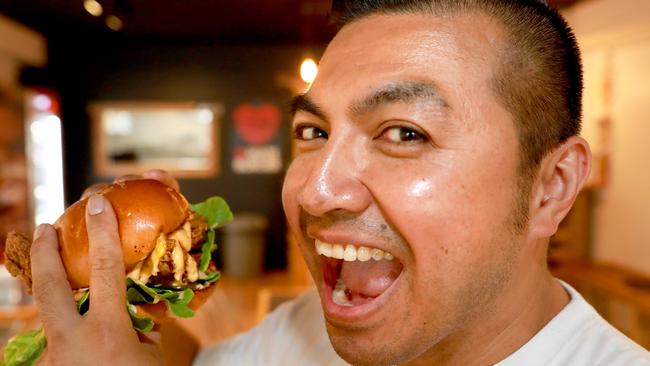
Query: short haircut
{"x": 539, "y": 75}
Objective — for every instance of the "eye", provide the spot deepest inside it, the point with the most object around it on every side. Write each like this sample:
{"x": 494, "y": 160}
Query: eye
{"x": 307, "y": 133}
{"x": 400, "y": 134}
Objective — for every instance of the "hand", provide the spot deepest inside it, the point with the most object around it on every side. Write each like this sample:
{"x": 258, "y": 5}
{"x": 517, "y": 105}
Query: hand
{"x": 104, "y": 336}
{"x": 159, "y": 175}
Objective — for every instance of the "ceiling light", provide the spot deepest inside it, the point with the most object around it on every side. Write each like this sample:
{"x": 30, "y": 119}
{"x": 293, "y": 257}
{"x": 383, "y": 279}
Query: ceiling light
{"x": 93, "y": 7}
{"x": 308, "y": 70}
{"x": 42, "y": 102}
{"x": 114, "y": 23}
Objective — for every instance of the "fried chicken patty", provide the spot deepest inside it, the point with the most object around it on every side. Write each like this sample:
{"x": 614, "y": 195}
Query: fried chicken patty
{"x": 17, "y": 259}
{"x": 18, "y": 262}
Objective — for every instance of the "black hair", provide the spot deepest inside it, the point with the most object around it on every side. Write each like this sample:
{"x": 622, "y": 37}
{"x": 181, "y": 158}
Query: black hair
{"x": 539, "y": 75}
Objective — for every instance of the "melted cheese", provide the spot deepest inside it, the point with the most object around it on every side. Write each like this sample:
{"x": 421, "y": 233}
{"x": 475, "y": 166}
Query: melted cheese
{"x": 135, "y": 272}
{"x": 184, "y": 264}
{"x": 150, "y": 265}
{"x": 178, "y": 257}
{"x": 192, "y": 269}
{"x": 183, "y": 236}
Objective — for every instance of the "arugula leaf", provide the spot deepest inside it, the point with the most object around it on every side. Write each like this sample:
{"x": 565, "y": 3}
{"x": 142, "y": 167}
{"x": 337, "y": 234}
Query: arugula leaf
{"x": 179, "y": 305}
{"x": 206, "y": 251}
{"x": 25, "y": 348}
{"x": 215, "y": 210}
{"x": 185, "y": 297}
{"x": 176, "y": 300}
{"x": 145, "y": 290}
{"x": 169, "y": 295}
{"x": 137, "y": 293}
{"x": 134, "y": 296}
{"x": 141, "y": 324}
{"x": 181, "y": 311}
{"x": 211, "y": 277}
{"x": 83, "y": 304}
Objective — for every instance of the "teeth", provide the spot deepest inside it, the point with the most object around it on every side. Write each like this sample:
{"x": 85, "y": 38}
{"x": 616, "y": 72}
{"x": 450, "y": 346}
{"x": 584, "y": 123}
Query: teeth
{"x": 340, "y": 285}
{"x": 351, "y": 253}
{"x": 326, "y": 249}
{"x": 339, "y": 296}
{"x": 363, "y": 254}
{"x": 337, "y": 251}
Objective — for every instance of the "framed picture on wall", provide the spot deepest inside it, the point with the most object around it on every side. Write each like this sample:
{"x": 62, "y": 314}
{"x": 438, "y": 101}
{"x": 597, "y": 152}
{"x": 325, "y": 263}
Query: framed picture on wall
{"x": 131, "y": 137}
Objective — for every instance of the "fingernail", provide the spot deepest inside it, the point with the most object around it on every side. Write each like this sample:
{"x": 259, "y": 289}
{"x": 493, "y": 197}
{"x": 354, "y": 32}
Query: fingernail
{"x": 95, "y": 205}
{"x": 40, "y": 229}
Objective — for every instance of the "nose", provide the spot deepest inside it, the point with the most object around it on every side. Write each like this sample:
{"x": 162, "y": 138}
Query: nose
{"x": 334, "y": 181}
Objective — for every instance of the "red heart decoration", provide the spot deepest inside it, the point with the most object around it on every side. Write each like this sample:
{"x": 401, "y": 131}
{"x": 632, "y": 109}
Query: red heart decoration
{"x": 257, "y": 124}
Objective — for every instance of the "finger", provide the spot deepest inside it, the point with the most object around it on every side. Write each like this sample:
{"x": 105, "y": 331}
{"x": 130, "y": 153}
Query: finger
{"x": 93, "y": 189}
{"x": 43, "y": 359}
{"x": 52, "y": 292}
{"x": 108, "y": 290}
{"x": 164, "y": 177}
{"x": 126, "y": 177}
{"x": 150, "y": 338}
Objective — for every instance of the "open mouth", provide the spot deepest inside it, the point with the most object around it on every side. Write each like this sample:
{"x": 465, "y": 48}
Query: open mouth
{"x": 355, "y": 276}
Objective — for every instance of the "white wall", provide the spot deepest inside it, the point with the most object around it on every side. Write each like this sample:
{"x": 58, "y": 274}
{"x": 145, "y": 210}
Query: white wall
{"x": 615, "y": 39}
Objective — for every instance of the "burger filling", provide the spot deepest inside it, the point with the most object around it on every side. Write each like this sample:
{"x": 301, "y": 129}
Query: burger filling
{"x": 173, "y": 262}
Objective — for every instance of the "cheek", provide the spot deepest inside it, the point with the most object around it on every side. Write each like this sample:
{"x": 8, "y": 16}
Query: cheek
{"x": 446, "y": 215}
{"x": 293, "y": 181}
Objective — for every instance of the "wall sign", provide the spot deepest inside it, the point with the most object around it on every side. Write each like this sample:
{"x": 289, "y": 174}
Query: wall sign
{"x": 180, "y": 137}
{"x": 256, "y": 149}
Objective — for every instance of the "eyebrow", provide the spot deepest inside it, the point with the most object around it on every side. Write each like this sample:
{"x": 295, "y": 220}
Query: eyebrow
{"x": 401, "y": 92}
{"x": 304, "y": 103}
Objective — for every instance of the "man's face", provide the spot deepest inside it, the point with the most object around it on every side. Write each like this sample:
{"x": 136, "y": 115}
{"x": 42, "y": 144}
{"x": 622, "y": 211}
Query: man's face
{"x": 403, "y": 148}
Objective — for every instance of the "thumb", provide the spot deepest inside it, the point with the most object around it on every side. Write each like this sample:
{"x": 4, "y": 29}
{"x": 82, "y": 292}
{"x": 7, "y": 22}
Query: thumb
{"x": 108, "y": 289}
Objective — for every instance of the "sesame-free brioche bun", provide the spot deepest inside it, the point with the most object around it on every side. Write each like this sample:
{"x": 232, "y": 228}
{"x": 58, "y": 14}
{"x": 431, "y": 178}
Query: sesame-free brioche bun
{"x": 144, "y": 209}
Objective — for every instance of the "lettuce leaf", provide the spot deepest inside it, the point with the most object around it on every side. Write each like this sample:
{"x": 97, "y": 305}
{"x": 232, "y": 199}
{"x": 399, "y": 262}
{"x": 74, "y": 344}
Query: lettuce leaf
{"x": 215, "y": 210}
{"x": 142, "y": 324}
{"x": 179, "y": 306}
{"x": 138, "y": 293}
{"x": 217, "y": 213}
{"x": 206, "y": 251}
{"x": 210, "y": 277}
{"x": 83, "y": 304}
{"x": 25, "y": 348}
{"x": 176, "y": 300}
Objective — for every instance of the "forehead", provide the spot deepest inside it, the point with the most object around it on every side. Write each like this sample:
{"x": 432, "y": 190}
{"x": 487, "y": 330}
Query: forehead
{"x": 458, "y": 53}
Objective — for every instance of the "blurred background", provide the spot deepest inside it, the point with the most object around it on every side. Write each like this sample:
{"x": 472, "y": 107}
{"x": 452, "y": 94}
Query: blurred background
{"x": 90, "y": 90}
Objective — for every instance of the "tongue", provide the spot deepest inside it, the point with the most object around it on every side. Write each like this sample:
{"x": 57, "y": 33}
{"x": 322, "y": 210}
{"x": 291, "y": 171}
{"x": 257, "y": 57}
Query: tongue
{"x": 371, "y": 278}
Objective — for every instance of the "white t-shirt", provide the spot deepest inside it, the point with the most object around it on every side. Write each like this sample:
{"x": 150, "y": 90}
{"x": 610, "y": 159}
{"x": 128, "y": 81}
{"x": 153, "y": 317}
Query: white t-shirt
{"x": 295, "y": 334}
{"x": 578, "y": 335}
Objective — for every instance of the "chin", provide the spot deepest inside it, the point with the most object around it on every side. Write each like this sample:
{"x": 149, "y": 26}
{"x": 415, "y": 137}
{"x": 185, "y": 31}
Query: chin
{"x": 364, "y": 347}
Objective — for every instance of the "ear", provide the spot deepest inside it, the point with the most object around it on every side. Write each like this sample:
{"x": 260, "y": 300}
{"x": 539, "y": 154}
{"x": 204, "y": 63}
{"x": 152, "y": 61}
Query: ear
{"x": 562, "y": 175}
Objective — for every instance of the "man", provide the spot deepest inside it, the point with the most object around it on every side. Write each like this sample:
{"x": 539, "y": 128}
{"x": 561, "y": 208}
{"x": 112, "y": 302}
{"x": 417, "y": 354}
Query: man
{"x": 437, "y": 153}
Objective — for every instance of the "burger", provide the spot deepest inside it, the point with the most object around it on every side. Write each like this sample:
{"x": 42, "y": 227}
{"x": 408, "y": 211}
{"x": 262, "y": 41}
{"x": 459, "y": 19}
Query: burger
{"x": 167, "y": 246}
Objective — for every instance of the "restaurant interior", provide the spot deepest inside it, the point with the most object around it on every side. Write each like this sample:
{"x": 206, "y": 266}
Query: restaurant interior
{"x": 94, "y": 89}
